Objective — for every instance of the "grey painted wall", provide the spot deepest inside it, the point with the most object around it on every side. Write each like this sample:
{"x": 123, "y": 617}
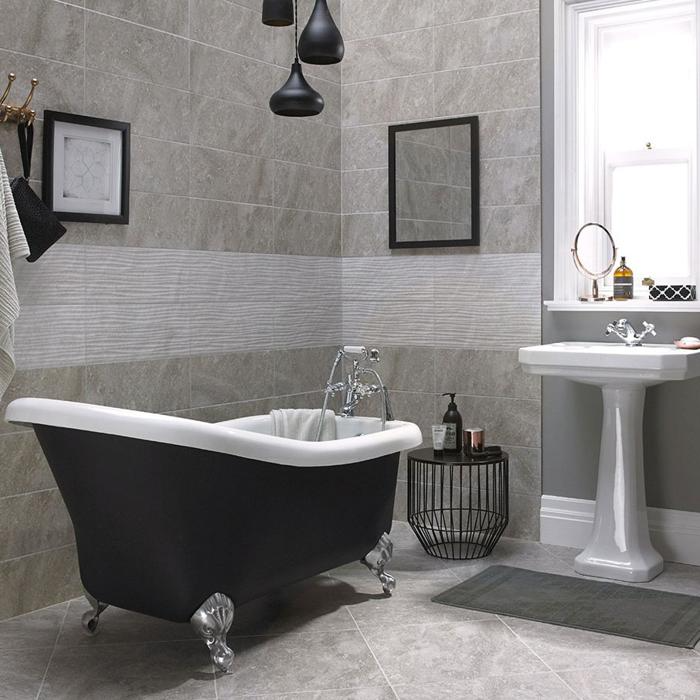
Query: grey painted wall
{"x": 572, "y": 413}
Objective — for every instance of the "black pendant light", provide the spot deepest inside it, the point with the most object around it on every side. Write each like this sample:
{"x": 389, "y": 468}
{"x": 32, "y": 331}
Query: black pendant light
{"x": 296, "y": 98}
{"x": 321, "y": 41}
{"x": 278, "y": 13}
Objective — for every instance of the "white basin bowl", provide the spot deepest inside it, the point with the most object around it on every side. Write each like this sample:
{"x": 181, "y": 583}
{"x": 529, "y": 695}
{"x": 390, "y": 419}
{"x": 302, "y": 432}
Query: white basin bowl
{"x": 605, "y": 363}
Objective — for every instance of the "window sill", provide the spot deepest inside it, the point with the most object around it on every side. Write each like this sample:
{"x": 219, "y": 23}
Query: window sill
{"x": 634, "y": 305}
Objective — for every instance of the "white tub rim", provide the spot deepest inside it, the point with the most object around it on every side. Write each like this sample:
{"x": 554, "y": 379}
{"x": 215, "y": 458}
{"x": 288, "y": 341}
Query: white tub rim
{"x": 214, "y": 437}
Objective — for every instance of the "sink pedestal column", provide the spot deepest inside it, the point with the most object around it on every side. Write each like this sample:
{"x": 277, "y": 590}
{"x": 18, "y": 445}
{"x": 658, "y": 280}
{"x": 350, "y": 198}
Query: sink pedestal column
{"x": 620, "y": 547}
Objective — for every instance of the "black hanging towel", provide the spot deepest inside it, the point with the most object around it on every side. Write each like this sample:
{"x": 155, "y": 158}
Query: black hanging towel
{"x": 41, "y": 226}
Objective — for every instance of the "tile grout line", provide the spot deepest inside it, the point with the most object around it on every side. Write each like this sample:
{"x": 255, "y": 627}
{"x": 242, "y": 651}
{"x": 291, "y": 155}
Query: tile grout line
{"x": 33, "y": 554}
{"x": 443, "y": 71}
{"x": 532, "y": 651}
{"x": 53, "y": 651}
{"x": 435, "y": 25}
{"x": 371, "y": 651}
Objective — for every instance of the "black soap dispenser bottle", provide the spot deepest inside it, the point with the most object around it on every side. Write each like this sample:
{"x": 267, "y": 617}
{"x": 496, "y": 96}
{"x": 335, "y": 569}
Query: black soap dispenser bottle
{"x": 453, "y": 422}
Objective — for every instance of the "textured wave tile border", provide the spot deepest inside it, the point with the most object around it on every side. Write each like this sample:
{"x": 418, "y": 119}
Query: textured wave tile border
{"x": 118, "y": 304}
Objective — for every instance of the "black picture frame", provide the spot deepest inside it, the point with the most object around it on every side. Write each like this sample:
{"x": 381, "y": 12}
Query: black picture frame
{"x": 51, "y": 118}
{"x": 473, "y": 121}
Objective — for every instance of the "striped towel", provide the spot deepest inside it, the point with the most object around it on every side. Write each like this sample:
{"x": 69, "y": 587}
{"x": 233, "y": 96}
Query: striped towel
{"x": 13, "y": 244}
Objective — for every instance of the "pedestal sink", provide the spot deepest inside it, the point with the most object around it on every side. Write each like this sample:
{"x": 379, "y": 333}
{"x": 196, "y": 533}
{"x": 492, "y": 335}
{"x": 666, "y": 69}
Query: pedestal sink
{"x": 619, "y": 547}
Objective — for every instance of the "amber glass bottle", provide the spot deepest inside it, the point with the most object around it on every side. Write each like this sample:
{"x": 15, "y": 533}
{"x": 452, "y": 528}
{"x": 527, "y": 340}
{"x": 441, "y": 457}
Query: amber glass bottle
{"x": 623, "y": 282}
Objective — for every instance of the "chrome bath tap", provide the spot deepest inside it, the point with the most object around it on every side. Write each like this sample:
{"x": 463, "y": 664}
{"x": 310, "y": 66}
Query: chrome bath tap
{"x": 354, "y": 389}
{"x": 624, "y": 330}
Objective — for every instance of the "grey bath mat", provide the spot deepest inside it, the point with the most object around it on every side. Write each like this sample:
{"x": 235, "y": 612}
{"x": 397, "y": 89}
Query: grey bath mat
{"x": 611, "y": 608}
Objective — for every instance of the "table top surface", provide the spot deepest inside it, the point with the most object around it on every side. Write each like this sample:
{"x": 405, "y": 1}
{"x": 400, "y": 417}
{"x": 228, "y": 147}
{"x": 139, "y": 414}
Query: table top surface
{"x": 427, "y": 454}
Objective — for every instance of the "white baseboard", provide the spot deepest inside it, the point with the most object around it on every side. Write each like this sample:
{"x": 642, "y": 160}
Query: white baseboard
{"x": 569, "y": 522}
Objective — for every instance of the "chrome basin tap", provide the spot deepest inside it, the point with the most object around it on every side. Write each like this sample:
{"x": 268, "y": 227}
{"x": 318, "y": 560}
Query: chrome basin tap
{"x": 354, "y": 389}
{"x": 624, "y": 330}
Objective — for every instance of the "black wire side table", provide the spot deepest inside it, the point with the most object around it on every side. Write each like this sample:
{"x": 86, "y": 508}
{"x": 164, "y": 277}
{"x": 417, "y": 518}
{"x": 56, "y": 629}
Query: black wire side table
{"x": 457, "y": 505}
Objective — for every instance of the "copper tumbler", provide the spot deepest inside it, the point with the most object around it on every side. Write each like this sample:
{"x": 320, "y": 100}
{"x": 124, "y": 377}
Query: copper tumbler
{"x": 473, "y": 441}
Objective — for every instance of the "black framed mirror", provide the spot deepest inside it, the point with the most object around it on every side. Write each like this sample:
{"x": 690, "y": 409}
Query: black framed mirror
{"x": 434, "y": 183}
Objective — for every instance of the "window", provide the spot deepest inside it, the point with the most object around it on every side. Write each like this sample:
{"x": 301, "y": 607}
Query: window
{"x": 626, "y": 149}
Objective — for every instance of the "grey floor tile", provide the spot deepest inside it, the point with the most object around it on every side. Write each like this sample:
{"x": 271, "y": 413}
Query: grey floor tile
{"x": 563, "y": 648}
{"x": 119, "y": 626}
{"x": 639, "y": 680}
{"x": 535, "y": 686}
{"x": 299, "y": 662}
{"x": 168, "y": 671}
{"x": 21, "y": 673}
{"x": 518, "y": 553}
{"x": 567, "y": 554}
{"x": 315, "y": 605}
{"x": 375, "y": 693}
{"x": 34, "y": 630}
{"x": 410, "y": 604}
{"x": 450, "y": 652}
{"x": 676, "y": 578}
{"x": 413, "y": 563}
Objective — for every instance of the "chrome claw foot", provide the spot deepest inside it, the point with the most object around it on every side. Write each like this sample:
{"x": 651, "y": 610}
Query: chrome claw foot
{"x": 91, "y": 618}
{"x": 388, "y": 583}
{"x": 377, "y": 559}
{"x": 211, "y": 622}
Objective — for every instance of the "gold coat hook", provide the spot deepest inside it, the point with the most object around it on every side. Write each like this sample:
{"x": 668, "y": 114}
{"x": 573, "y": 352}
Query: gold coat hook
{"x": 35, "y": 82}
{"x": 11, "y": 77}
{"x": 14, "y": 113}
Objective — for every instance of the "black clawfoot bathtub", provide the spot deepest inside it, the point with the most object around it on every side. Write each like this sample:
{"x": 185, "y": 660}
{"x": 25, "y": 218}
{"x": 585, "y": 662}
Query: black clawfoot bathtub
{"x": 184, "y": 520}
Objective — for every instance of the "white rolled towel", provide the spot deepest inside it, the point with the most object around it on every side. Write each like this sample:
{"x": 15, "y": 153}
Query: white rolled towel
{"x": 302, "y": 423}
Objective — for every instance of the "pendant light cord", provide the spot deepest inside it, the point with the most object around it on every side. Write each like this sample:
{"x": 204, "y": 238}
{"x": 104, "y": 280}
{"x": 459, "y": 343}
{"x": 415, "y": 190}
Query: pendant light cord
{"x": 296, "y": 33}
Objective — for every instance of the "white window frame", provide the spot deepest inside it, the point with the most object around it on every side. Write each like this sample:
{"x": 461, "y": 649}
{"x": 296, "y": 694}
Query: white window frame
{"x": 571, "y": 208}
{"x": 653, "y": 157}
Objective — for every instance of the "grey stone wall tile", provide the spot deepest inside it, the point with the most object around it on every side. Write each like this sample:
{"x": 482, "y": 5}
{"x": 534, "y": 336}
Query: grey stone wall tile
{"x": 33, "y": 522}
{"x": 153, "y": 110}
{"x": 24, "y": 467}
{"x": 159, "y": 166}
{"x": 306, "y": 187}
{"x": 64, "y": 383}
{"x": 386, "y": 101}
{"x": 365, "y": 18}
{"x": 513, "y": 85}
{"x": 365, "y": 191}
{"x": 307, "y": 233}
{"x": 365, "y": 235}
{"x": 249, "y": 82}
{"x": 230, "y": 26}
{"x": 448, "y": 11}
{"x": 128, "y": 49}
{"x": 43, "y": 28}
{"x": 388, "y": 56}
{"x": 168, "y": 15}
{"x": 155, "y": 386}
{"x": 308, "y": 142}
{"x": 509, "y": 37}
{"x": 247, "y": 179}
{"x": 484, "y": 373}
{"x": 55, "y": 569}
{"x": 231, "y": 127}
{"x": 231, "y": 226}
{"x": 232, "y": 377}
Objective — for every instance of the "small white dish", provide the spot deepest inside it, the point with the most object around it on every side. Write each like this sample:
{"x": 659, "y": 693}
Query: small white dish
{"x": 688, "y": 343}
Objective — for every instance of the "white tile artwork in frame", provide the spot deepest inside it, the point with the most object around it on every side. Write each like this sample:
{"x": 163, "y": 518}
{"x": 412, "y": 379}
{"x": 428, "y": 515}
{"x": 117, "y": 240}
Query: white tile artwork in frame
{"x": 86, "y": 174}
